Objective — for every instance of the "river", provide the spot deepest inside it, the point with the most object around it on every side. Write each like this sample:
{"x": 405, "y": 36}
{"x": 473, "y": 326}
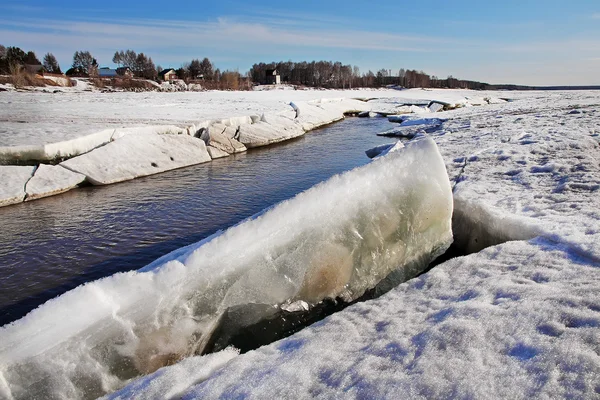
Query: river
{"x": 50, "y": 246}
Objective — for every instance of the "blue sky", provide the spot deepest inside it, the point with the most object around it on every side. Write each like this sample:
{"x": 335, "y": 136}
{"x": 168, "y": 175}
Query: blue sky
{"x": 526, "y": 42}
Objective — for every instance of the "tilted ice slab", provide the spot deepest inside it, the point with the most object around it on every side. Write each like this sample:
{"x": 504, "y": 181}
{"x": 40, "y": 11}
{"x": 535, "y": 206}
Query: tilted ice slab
{"x": 49, "y": 180}
{"x": 133, "y": 156}
{"x": 14, "y": 179}
{"x": 339, "y": 238}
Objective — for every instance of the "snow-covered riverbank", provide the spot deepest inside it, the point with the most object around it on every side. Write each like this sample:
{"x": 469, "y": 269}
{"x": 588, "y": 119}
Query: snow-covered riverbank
{"x": 126, "y": 152}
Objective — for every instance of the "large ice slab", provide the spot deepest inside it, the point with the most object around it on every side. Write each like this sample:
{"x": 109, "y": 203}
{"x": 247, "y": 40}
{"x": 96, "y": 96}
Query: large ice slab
{"x": 49, "y": 180}
{"x": 14, "y": 179}
{"x": 337, "y": 239}
{"x": 137, "y": 155}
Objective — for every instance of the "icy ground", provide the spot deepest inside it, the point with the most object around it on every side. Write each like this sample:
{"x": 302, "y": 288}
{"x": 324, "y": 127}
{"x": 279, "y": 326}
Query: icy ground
{"x": 519, "y": 319}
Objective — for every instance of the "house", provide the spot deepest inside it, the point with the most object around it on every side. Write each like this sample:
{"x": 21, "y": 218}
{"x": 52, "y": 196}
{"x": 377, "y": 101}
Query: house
{"x": 273, "y": 77}
{"x": 124, "y": 72}
{"x": 167, "y": 74}
{"x": 106, "y": 72}
{"x": 34, "y": 68}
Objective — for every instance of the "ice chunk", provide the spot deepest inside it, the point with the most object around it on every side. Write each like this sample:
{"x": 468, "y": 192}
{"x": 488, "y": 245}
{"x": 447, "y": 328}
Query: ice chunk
{"x": 49, "y": 180}
{"x": 397, "y": 118}
{"x": 435, "y": 106}
{"x": 382, "y": 150}
{"x": 514, "y": 320}
{"x": 222, "y": 137}
{"x": 56, "y": 151}
{"x": 135, "y": 155}
{"x": 422, "y": 121}
{"x": 408, "y": 132}
{"x": 12, "y": 183}
{"x": 269, "y": 130}
{"x": 339, "y": 238}
{"x": 216, "y": 153}
{"x": 368, "y": 114}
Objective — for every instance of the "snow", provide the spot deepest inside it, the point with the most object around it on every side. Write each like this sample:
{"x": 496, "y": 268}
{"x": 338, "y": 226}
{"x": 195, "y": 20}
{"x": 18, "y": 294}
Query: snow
{"x": 49, "y": 180}
{"x": 14, "y": 179}
{"x": 339, "y": 238}
{"x": 519, "y": 319}
{"x": 136, "y": 155}
{"x": 169, "y": 383}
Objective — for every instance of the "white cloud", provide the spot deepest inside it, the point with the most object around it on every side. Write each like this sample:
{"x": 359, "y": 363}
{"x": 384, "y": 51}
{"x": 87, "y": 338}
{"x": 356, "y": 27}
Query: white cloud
{"x": 222, "y": 32}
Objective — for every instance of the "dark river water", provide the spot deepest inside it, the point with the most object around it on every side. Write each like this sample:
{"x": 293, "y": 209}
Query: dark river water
{"x": 50, "y": 246}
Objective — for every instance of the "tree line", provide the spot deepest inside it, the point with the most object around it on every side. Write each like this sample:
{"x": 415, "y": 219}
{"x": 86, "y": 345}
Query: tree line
{"x": 335, "y": 75}
{"x": 326, "y": 74}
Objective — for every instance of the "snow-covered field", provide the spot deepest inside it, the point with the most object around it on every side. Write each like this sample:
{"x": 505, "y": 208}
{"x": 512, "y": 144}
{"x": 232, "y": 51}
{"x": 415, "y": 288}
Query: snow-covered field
{"x": 42, "y": 118}
{"x": 518, "y": 319}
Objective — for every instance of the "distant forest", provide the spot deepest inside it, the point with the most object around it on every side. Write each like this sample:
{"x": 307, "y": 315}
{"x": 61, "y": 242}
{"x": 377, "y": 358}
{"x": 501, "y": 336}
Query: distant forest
{"x": 335, "y": 75}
